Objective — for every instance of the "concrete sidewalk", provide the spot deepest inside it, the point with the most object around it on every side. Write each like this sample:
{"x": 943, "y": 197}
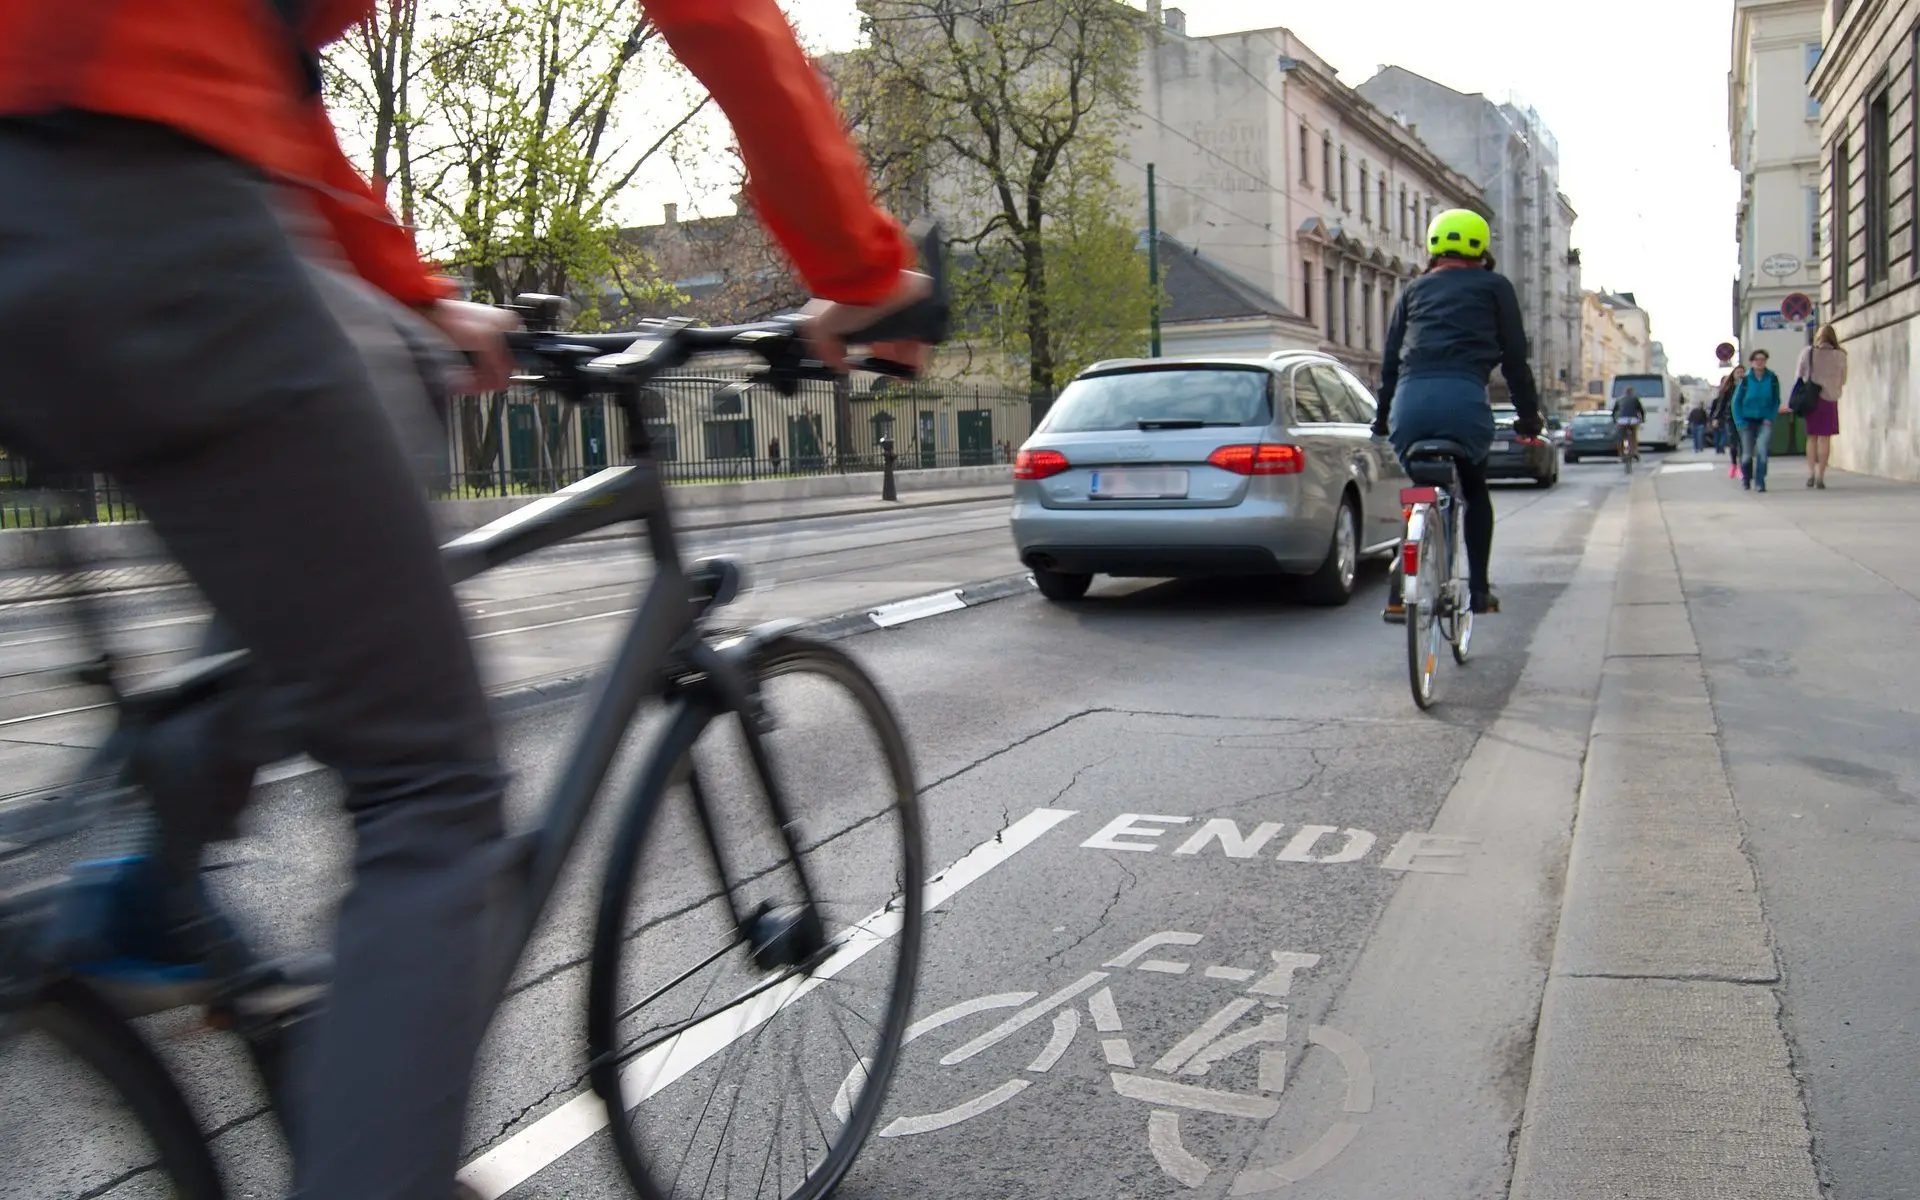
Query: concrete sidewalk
{"x": 1730, "y": 1011}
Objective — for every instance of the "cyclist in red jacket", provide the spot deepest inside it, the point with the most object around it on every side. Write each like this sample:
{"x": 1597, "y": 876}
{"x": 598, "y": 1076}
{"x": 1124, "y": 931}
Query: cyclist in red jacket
{"x": 201, "y": 297}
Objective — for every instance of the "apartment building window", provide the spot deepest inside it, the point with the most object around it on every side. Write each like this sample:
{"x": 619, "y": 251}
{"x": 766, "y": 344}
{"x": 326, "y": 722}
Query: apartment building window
{"x": 1813, "y": 60}
{"x": 1813, "y": 225}
{"x": 1346, "y": 196}
{"x": 1842, "y": 222}
{"x": 1326, "y": 165}
{"x": 1876, "y": 222}
{"x": 1405, "y": 225}
{"x": 1327, "y": 276}
{"x": 1366, "y": 314}
{"x": 1306, "y": 289}
{"x": 1306, "y": 158}
{"x": 1366, "y": 189}
{"x": 1386, "y": 222}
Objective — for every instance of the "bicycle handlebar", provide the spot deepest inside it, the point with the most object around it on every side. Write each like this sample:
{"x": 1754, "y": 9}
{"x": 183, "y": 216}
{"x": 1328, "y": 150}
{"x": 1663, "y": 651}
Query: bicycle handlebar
{"x": 577, "y": 364}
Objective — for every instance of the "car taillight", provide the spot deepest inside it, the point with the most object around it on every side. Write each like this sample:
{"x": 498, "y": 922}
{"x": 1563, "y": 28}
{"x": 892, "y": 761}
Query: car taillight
{"x": 1264, "y": 459}
{"x": 1039, "y": 464}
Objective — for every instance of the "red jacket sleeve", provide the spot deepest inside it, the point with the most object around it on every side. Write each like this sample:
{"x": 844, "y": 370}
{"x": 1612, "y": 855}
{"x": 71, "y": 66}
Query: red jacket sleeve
{"x": 807, "y": 182}
{"x": 381, "y": 250}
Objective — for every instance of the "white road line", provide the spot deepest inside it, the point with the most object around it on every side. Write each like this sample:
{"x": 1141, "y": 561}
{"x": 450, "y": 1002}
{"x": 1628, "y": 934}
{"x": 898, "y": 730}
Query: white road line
{"x": 1683, "y": 468}
{"x": 901, "y": 611}
{"x": 544, "y": 1142}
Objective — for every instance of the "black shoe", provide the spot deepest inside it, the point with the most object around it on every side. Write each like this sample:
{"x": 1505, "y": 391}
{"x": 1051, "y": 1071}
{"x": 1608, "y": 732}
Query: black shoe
{"x": 1484, "y": 601}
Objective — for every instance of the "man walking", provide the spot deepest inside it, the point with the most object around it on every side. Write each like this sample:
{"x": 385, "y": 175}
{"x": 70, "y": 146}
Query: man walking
{"x": 1697, "y": 426}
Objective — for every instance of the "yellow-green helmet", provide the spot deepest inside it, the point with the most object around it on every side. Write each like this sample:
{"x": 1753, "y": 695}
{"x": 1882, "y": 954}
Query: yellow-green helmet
{"x": 1459, "y": 231}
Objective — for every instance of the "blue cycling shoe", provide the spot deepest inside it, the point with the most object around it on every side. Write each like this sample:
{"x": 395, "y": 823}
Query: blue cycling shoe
{"x": 150, "y": 945}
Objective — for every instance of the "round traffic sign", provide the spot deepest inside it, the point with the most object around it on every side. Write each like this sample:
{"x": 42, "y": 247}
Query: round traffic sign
{"x": 1796, "y": 307}
{"x": 1725, "y": 351}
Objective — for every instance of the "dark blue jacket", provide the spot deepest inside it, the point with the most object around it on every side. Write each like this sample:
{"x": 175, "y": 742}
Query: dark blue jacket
{"x": 1459, "y": 322}
{"x": 1757, "y": 398}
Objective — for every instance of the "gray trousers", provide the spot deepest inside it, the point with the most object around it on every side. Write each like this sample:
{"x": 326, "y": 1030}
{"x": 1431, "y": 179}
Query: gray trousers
{"x": 158, "y": 323}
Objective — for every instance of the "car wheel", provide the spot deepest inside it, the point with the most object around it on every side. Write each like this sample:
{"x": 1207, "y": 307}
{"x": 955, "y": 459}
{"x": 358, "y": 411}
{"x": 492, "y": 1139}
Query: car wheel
{"x": 1332, "y": 584}
{"x": 1061, "y": 586}
{"x": 1572, "y": 458}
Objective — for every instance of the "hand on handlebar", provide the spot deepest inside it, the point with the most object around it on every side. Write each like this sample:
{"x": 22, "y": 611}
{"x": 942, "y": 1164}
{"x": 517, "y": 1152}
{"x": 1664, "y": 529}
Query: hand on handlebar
{"x": 478, "y": 331}
{"x": 1529, "y": 427}
{"x": 828, "y": 324}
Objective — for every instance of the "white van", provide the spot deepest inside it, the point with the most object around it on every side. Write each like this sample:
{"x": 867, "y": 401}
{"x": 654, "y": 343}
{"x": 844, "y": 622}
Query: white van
{"x": 1660, "y": 396}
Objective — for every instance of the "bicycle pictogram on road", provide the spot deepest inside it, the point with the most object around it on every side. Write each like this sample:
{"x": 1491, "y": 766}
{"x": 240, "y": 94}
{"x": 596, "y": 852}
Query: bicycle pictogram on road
{"x": 1254, "y": 1022}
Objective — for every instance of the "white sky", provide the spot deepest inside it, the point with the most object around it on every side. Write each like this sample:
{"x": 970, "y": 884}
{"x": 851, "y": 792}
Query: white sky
{"x": 1635, "y": 91}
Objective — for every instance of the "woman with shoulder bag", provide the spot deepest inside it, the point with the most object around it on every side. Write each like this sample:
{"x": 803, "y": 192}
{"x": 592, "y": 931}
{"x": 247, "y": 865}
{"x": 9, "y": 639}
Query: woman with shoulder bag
{"x": 1824, "y": 364}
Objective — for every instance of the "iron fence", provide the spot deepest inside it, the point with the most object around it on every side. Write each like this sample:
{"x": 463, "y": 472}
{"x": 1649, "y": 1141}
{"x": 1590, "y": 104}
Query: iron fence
{"x": 705, "y": 428}
{"x": 711, "y": 428}
{"x": 33, "y": 498}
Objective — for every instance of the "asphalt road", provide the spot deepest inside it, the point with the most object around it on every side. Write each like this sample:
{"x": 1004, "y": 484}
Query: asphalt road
{"x": 1205, "y": 794}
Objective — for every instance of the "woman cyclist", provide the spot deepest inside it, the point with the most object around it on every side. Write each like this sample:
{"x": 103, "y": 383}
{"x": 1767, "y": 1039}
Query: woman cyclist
{"x": 169, "y": 170}
{"x": 1451, "y": 328}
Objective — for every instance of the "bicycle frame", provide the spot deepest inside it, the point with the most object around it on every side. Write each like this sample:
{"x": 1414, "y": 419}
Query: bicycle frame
{"x": 1421, "y": 505}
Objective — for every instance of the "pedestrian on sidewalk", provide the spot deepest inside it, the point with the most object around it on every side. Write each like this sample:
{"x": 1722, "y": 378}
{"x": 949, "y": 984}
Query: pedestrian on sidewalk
{"x": 773, "y": 452}
{"x": 1825, "y": 363}
{"x": 1726, "y": 436}
{"x": 1756, "y": 402}
{"x": 1697, "y": 426}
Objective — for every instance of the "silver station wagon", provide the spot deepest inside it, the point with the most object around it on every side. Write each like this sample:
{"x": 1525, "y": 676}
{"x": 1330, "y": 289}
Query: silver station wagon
{"x": 1177, "y": 468}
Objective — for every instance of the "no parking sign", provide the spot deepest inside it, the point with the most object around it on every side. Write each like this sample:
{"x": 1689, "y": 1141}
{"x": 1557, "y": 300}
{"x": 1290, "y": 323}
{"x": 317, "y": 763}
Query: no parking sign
{"x": 1797, "y": 309}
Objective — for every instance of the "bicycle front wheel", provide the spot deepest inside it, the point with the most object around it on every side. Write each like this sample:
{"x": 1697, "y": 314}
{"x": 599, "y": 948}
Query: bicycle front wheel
{"x": 88, "y": 1110}
{"x": 735, "y": 1065}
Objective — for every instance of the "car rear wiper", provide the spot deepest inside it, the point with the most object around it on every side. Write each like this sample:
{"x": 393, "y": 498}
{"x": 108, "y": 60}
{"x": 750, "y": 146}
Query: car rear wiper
{"x": 1171, "y": 424}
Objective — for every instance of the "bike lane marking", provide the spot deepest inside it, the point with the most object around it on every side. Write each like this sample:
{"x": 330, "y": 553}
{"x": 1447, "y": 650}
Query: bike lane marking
{"x": 548, "y": 1139}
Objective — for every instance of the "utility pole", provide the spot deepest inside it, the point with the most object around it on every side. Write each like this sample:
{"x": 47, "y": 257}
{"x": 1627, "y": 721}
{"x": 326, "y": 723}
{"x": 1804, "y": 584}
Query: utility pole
{"x": 1153, "y": 264}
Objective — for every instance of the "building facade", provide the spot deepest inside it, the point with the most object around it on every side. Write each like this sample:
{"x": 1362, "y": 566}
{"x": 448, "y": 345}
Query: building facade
{"x": 1511, "y": 156}
{"x": 1866, "y": 84}
{"x": 1615, "y": 339}
{"x": 1774, "y": 131}
{"x": 1274, "y": 169}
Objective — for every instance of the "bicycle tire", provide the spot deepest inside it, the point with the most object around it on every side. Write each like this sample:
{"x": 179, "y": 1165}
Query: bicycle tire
{"x": 1423, "y": 675}
{"x": 84, "y": 1024}
{"x": 642, "y": 1068}
{"x": 1461, "y": 641}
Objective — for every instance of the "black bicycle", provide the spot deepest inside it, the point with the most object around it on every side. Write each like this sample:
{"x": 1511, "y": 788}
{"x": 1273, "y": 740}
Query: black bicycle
{"x": 756, "y": 944}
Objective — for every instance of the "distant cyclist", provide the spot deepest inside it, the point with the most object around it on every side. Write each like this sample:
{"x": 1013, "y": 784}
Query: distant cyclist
{"x": 1450, "y": 329}
{"x": 167, "y": 169}
{"x": 1629, "y": 414}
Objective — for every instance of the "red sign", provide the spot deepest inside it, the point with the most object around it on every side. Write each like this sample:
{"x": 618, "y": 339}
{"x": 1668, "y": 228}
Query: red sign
{"x": 1796, "y": 308}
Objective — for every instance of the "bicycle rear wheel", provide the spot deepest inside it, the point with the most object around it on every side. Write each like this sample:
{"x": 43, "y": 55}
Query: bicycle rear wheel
{"x": 726, "y": 1075}
{"x": 87, "y": 1109}
{"x": 1423, "y": 615}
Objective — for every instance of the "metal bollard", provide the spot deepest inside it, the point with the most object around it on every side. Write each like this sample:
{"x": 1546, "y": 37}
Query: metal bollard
{"x": 887, "y": 490}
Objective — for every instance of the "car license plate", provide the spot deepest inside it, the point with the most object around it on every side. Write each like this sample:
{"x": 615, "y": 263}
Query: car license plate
{"x": 1498, "y": 446}
{"x": 1138, "y": 485}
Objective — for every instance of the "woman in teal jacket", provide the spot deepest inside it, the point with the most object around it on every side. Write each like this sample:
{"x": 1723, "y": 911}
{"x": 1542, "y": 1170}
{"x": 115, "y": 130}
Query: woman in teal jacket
{"x": 1756, "y": 402}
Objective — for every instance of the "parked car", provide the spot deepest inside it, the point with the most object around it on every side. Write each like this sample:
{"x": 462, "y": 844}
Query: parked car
{"x": 1177, "y": 468}
{"x": 1514, "y": 457}
{"x": 1592, "y": 435}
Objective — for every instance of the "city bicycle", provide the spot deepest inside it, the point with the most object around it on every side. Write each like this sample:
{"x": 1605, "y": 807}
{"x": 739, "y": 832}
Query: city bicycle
{"x": 722, "y": 1072}
{"x": 1432, "y": 568}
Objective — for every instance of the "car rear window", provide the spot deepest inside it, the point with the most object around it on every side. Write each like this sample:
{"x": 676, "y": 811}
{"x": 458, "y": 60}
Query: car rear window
{"x": 1204, "y": 396}
{"x": 1589, "y": 420}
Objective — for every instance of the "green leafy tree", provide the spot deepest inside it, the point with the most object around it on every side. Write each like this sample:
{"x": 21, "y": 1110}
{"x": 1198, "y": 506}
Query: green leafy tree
{"x": 1005, "y": 118}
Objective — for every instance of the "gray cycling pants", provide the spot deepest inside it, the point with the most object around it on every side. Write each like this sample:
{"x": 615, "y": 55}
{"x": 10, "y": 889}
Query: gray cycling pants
{"x": 158, "y": 324}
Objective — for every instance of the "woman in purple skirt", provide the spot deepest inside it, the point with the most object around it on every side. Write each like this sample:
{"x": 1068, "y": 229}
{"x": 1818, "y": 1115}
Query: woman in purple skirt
{"x": 1825, "y": 363}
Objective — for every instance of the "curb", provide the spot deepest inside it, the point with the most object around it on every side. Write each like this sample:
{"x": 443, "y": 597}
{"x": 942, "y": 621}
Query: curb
{"x": 1660, "y": 1025}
